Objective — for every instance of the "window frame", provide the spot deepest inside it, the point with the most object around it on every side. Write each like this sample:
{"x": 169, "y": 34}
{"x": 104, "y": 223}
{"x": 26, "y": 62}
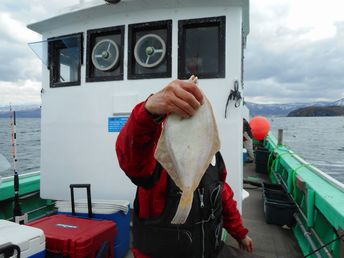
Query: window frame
{"x": 91, "y": 35}
{"x": 149, "y": 26}
{"x": 220, "y": 21}
{"x": 54, "y": 70}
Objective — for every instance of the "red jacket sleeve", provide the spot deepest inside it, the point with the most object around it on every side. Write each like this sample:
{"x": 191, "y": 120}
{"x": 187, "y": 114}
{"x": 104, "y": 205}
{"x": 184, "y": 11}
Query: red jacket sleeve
{"x": 232, "y": 220}
{"x": 135, "y": 148}
{"x": 137, "y": 142}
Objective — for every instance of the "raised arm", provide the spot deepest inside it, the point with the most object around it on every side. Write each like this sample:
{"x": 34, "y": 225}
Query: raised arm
{"x": 232, "y": 220}
{"x": 137, "y": 140}
{"x": 136, "y": 143}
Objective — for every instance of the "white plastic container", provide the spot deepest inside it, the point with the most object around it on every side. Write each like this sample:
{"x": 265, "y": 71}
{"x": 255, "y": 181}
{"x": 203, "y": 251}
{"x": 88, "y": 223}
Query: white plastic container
{"x": 30, "y": 240}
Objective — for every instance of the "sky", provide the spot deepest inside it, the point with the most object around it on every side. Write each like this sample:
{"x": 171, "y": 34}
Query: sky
{"x": 294, "y": 53}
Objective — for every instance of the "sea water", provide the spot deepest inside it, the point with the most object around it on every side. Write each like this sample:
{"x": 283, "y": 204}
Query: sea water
{"x": 318, "y": 140}
{"x": 28, "y": 144}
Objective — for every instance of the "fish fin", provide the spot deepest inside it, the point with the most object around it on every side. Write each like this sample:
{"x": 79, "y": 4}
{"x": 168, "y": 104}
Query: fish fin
{"x": 184, "y": 207}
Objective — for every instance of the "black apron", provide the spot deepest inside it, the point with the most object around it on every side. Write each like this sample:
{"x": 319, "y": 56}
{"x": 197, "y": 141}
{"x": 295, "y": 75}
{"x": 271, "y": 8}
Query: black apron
{"x": 200, "y": 236}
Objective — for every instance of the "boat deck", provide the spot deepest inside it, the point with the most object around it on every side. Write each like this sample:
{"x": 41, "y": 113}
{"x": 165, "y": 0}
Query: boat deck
{"x": 270, "y": 241}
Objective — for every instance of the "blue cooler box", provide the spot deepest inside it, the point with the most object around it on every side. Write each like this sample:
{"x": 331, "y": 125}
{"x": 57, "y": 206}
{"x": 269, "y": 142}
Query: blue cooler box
{"x": 30, "y": 240}
{"x": 115, "y": 210}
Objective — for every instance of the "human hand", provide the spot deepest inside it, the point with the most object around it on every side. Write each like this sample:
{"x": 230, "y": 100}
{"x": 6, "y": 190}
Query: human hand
{"x": 246, "y": 244}
{"x": 180, "y": 97}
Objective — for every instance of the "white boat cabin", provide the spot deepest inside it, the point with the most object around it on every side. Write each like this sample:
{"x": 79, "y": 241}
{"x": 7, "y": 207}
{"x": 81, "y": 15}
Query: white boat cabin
{"x": 101, "y": 59}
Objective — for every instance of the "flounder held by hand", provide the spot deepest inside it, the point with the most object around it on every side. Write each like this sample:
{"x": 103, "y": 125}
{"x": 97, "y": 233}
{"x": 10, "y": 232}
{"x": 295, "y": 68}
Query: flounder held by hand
{"x": 185, "y": 149}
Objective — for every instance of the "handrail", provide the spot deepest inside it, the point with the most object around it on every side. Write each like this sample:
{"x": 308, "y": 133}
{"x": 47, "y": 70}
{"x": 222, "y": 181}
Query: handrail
{"x": 304, "y": 217}
{"x": 295, "y": 162}
{"x": 22, "y": 176}
{"x": 320, "y": 173}
{"x": 334, "y": 182}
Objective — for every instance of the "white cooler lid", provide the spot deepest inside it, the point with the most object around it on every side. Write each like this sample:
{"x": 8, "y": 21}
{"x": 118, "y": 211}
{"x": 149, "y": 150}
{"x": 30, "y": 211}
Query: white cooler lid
{"x": 98, "y": 206}
{"x": 30, "y": 240}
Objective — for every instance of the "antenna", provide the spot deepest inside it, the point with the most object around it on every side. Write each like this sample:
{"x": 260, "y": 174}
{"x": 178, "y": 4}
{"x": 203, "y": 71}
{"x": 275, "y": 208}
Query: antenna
{"x": 18, "y": 216}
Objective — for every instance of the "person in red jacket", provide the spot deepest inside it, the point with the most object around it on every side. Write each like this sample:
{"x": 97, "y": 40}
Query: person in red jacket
{"x": 157, "y": 196}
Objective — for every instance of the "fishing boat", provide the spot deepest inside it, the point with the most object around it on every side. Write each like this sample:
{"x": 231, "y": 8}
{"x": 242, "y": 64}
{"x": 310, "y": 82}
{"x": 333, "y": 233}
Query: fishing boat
{"x": 101, "y": 58}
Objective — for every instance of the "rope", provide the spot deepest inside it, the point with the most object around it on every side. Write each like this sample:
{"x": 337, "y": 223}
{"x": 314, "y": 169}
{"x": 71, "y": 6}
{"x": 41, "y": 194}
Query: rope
{"x": 273, "y": 162}
{"x": 278, "y": 158}
{"x": 234, "y": 95}
{"x": 293, "y": 174}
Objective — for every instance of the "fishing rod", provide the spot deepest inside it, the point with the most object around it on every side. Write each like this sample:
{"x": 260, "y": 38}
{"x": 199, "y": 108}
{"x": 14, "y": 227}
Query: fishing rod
{"x": 17, "y": 212}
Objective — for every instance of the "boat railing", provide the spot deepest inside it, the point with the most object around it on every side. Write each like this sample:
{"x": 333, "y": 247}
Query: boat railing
{"x": 22, "y": 176}
{"x": 30, "y": 201}
{"x": 317, "y": 171}
{"x": 318, "y": 197}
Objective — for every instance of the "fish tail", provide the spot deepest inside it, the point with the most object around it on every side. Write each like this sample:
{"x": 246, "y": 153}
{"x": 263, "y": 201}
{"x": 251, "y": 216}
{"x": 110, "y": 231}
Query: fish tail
{"x": 184, "y": 207}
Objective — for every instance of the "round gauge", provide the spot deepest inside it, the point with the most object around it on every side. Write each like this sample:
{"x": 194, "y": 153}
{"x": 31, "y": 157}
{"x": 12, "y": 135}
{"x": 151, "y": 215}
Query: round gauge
{"x": 105, "y": 55}
{"x": 150, "y": 50}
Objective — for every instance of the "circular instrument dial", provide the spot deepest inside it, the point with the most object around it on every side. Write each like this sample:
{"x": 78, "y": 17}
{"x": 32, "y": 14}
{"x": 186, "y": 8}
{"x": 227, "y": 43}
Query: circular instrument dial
{"x": 105, "y": 55}
{"x": 150, "y": 50}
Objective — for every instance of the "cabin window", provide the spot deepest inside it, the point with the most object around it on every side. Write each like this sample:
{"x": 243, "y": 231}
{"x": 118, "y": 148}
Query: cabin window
{"x": 202, "y": 48}
{"x": 65, "y": 59}
{"x": 104, "y": 61}
{"x": 149, "y": 50}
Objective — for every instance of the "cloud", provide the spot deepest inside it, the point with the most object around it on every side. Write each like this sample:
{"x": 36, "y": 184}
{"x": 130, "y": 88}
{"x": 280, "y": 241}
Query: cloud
{"x": 294, "y": 53}
{"x": 20, "y": 92}
{"x": 285, "y": 63}
{"x": 16, "y": 58}
{"x": 15, "y": 30}
{"x": 20, "y": 69}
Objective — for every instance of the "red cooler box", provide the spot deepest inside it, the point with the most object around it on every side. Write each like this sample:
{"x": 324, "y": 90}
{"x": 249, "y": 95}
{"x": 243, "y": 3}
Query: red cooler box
{"x": 74, "y": 237}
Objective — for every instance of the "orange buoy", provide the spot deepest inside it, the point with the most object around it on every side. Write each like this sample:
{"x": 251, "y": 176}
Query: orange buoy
{"x": 260, "y": 127}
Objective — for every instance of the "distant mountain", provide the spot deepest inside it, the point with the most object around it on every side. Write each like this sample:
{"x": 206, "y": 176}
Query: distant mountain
{"x": 255, "y": 109}
{"x": 22, "y": 111}
{"x": 318, "y": 111}
{"x": 339, "y": 102}
{"x": 285, "y": 109}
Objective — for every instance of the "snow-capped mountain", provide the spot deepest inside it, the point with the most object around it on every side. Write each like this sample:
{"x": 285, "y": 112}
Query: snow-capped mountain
{"x": 32, "y": 110}
{"x": 339, "y": 102}
{"x": 6, "y": 108}
{"x": 284, "y": 109}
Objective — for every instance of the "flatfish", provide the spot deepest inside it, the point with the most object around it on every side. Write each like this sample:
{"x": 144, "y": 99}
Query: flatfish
{"x": 185, "y": 149}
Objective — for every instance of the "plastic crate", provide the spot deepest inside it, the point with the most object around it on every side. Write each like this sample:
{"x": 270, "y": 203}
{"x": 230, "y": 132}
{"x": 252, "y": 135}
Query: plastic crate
{"x": 277, "y": 196}
{"x": 278, "y": 208}
{"x": 272, "y": 187}
{"x": 261, "y": 168}
{"x": 279, "y": 213}
{"x": 261, "y": 160}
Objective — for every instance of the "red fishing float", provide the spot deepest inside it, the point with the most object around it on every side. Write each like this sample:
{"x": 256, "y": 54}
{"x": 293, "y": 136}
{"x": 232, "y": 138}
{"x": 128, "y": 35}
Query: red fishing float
{"x": 260, "y": 127}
